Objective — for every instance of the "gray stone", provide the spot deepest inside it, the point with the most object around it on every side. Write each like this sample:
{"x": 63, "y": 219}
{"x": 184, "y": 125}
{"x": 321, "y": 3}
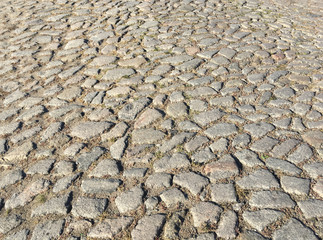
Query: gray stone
{"x": 58, "y": 205}
{"x": 283, "y": 148}
{"x": 262, "y": 218}
{"x": 9, "y": 222}
{"x": 313, "y": 138}
{"x": 70, "y": 93}
{"x": 159, "y": 181}
{"x": 3, "y": 146}
{"x": 172, "y": 226}
{"x": 25, "y": 134}
{"x": 177, "y": 109}
{"x": 188, "y": 126}
{"x": 135, "y": 172}
{"x": 148, "y": 227}
{"x": 294, "y": 185}
{"x": 271, "y": 199}
{"x": 28, "y": 194}
{"x": 147, "y": 117}
{"x": 301, "y": 154}
{"x": 116, "y": 74}
{"x": 195, "y": 143}
{"x": 87, "y": 130}
{"x": 315, "y": 170}
{"x": 223, "y": 193}
{"x": 293, "y": 226}
{"x": 205, "y": 213}
{"x": 106, "y": 167}
{"x": 65, "y": 182}
{"x": 248, "y": 158}
{"x": 172, "y": 197}
{"x": 51, "y": 130}
{"x": 227, "y": 225}
{"x": 11, "y": 177}
{"x": 174, "y": 141}
{"x": 176, "y": 161}
{"x": 225, "y": 167}
{"x": 64, "y": 167}
{"x": 21, "y": 235}
{"x": 176, "y": 59}
{"x": 192, "y": 181}
{"x": 146, "y": 136}
{"x": 41, "y": 167}
{"x": 311, "y": 208}
{"x": 48, "y": 230}
{"x": 110, "y": 227}
{"x": 260, "y": 179}
{"x": 117, "y": 131}
{"x": 100, "y": 185}
{"x": 221, "y": 130}
{"x": 283, "y": 166}
{"x": 205, "y": 118}
{"x": 6, "y": 129}
{"x": 130, "y": 200}
{"x": 86, "y": 159}
{"x": 131, "y": 110}
{"x": 318, "y": 187}
{"x": 117, "y": 149}
{"x": 264, "y": 145}
{"x": 251, "y": 235}
{"x": 220, "y": 145}
{"x": 258, "y": 130}
{"x": 203, "y": 156}
{"x": 203, "y": 236}
{"x": 89, "y": 207}
{"x": 241, "y": 140}
{"x": 14, "y": 96}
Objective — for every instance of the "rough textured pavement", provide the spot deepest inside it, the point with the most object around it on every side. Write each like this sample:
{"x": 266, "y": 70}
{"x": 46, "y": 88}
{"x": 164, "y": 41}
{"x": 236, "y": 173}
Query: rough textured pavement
{"x": 170, "y": 119}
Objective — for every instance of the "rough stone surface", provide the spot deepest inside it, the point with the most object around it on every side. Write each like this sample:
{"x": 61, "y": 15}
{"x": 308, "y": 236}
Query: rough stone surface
{"x": 148, "y": 227}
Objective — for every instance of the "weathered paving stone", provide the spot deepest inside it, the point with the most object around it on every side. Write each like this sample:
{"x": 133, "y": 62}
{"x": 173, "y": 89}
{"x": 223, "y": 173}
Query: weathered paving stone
{"x": 52, "y": 129}
{"x": 176, "y": 161}
{"x": 70, "y": 93}
{"x": 28, "y": 194}
{"x": 287, "y": 232}
{"x": 223, "y": 193}
{"x": 48, "y": 230}
{"x": 65, "y": 182}
{"x": 117, "y": 149}
{"x": 227, "y": 225}
{"x": 205, "y": 213}
{"x": 21, "y": 235}
{"x": 106, "y": 167}
{"x": 262, "y": 218}
{"x": 241, "y": 140}
{"x": 58, "y": 205}
{"x": 301, "y": 154}
{"x": 283, "y": 148}
{"x": 283, "y": 166}
{"x": 147, "y": 136}
{"x": 294, "y": 185}
{"x": 87, "y": 130}
{"x": 130, "y": 200}
{"x": 225, "y": 167}
{"x": 148, "y": 227}
{"x": 159, "y": 181}
{"x": 89, "y": 207}
{"x": 315, "y": 170}
{"x": 147, "y": 117}
{"x": 116, "y": 74}
{"x": 314, "y": 138}
{"x": 117, "y": 131}
{"x": 205, "y": 118}
{"x": 248, "y": 158}
{"x": 174, "y": 141}
{"x": 203, "y": 156}
{"x": 6, "y": 129}
{"x": 86, "y": 159}
{"x": 192, "y": 181}
{"x": 9, "y": 222}
{"x": 11, "y": 177}
{"x": 260, "y": 179}
{"x": 311, "y": 208}
{"x": 41, "y": 167}
{"x": 131, "y": 110}
{"x": 271, "y": 199}
{"x": 172, "y": 226}
{"x": 110, "y": 227}
{"x": 177, "y": 109}
{"x": 258, "y": 130}
{"x": 264, "y": 145}
{"x": 14, "y": 96}
{"x": 195, "y": 143}
{"x": 73, "y": 149}
{"x": 100, "y": 185}
{"x": 221, "y": 130}
{"x": 20, "y": 152}
{"x": 318, "y": 187}
{"x": 172, "y": 197}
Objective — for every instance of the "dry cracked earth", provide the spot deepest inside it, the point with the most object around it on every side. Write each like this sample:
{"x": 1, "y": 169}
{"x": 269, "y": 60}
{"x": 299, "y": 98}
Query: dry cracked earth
{"x": 170, "y": 119}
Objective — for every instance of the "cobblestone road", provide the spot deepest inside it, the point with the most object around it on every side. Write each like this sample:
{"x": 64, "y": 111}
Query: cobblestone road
{"x": 170, "y": 119}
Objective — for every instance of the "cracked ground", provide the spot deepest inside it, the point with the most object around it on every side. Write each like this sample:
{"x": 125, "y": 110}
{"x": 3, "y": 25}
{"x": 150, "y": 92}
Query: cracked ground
{"x": 170, "y": 119}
